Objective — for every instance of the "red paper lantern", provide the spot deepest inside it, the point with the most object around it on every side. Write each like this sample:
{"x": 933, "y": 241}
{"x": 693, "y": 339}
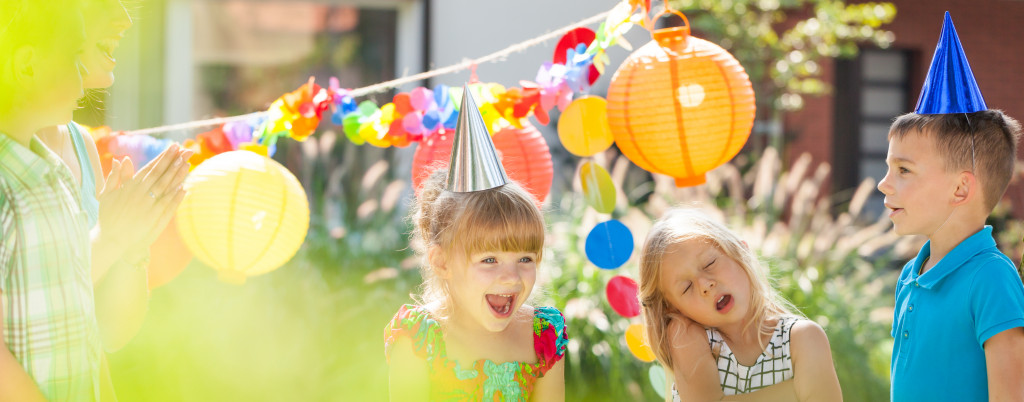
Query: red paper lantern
{"x": 168, "y": 256}
{"x": 524, "y": 154}
{"x": 680, "y": 105}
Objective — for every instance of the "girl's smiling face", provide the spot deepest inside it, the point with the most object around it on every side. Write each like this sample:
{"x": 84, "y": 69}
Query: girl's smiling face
{"x": 491, "y": 286}
{"x": 105, "y": 23}
{"x": 704, "y": 284}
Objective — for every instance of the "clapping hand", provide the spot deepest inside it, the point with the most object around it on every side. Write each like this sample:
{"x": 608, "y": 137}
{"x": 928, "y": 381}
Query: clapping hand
{"x": 135, "y": 208}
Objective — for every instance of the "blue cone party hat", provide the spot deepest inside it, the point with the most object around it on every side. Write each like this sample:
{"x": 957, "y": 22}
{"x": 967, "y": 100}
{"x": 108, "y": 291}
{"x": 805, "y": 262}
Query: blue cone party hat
{"x": 474, "y": 165}
{"x": 950, "y": 86}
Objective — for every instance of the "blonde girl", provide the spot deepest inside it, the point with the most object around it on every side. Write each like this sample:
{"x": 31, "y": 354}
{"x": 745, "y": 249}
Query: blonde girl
{"x": 471, "y": 336}
{"x": 718, "y": 326}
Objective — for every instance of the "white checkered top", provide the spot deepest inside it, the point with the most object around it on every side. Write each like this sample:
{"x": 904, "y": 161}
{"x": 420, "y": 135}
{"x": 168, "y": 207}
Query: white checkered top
{"x": 775, "y": 364}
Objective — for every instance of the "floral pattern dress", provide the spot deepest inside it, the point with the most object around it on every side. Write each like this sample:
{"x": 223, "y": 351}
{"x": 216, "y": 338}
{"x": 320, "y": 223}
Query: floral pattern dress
{"x": 485, "y": 380}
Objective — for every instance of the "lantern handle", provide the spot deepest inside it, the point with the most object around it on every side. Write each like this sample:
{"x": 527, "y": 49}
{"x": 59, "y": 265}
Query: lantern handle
{"x": 670, "y": 10}
{"x": 674, "y": 37}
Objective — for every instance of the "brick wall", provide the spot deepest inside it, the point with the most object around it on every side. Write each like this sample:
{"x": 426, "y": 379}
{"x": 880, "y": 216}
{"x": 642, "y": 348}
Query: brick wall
{"x": 992, "y": 34}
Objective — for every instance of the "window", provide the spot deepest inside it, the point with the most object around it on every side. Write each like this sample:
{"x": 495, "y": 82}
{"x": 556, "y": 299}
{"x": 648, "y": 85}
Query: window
{"x": 871, "y": 91}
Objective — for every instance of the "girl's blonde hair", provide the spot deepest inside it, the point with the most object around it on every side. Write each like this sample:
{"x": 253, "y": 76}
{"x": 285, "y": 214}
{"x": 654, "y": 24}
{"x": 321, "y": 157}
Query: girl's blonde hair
{"x": 680, "y": 225}
{"x": 504, "y": 218}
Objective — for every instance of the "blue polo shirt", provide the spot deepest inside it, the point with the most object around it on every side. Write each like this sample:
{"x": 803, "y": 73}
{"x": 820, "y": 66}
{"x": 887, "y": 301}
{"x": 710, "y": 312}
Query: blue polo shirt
{"x": 944, "y": 317}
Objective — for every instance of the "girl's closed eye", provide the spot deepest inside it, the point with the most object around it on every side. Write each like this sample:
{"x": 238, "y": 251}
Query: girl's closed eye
{"x": 710, "y": 265}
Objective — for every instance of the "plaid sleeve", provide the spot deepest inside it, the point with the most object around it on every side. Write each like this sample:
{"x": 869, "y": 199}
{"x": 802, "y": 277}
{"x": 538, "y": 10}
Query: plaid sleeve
{"x": 8, "y": 239}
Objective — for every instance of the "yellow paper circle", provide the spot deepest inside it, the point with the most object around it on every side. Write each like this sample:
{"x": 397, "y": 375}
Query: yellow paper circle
{"x": 583, "y": 127}
{"x": 243, "y": 214}
{"x": 598, "y": 188}
{"x": 637, "y": 344}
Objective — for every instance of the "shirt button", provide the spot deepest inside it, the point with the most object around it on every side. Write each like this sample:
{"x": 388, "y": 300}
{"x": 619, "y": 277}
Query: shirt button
{"x": 917, "y": 285}
{"x": 906, "y": 334}
{"x": 911, "y": 308}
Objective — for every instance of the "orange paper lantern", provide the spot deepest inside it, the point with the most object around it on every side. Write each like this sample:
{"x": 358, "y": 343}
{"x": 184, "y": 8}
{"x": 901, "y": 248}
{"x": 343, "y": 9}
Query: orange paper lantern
{"x": 680, "y": 105}
{"x": 524, "y": 154}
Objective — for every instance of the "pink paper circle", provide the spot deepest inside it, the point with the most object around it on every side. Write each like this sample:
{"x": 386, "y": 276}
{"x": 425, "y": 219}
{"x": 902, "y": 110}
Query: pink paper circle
{"x": 621, "y": 292}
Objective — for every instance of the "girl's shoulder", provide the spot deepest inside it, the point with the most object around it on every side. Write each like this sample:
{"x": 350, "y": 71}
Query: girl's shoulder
{"x": 550, "y": 335}
{"x": 415, "y": 323}
{"x": 806, "y": 337}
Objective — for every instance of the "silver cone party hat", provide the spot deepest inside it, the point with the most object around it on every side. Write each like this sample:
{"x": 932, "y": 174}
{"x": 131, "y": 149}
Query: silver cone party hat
{"x": 474, "y": 165}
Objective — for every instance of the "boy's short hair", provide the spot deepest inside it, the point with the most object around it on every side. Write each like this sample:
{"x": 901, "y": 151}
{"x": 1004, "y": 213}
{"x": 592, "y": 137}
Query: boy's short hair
{"x": 43, "y": 24}
{"x": 992, "y": 156}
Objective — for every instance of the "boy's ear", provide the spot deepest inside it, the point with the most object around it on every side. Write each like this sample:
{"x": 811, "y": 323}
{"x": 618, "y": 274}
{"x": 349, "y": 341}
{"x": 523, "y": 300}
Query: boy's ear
{"x": 438, "y": 263}
{"x": 966, "y": 188}
{"x": 23, "y": 65}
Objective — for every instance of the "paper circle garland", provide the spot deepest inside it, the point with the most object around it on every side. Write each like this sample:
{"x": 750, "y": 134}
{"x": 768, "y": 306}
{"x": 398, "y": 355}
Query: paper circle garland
{"x": 680, "y": 105}
{"x": 243, "y": 214}
{"x": 637, "y": 343}
{"x": 524, "y": 154}
{"x": 598, "y": 189}
{"x": 609, "y": 244}
{"x": 621, "y": 292}
{"x": 583, "y": 127}
{"x": 657, "y": 376}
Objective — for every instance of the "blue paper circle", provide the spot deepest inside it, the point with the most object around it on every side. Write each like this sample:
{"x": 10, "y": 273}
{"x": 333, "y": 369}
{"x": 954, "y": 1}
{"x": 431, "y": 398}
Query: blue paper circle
{"x": 657, "y": 375}
{"x": 609, "y": 244}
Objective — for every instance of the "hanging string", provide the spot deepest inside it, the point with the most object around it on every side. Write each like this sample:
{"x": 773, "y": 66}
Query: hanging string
{"x": 465, "y": 64}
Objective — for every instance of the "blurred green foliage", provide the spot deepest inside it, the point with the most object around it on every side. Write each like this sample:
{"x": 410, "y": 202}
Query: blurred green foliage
{"x": 781, "y": 43}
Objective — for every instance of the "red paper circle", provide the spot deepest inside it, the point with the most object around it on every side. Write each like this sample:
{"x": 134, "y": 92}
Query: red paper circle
{"x": 621, "y": 292}
{"x": 569, "y": 41}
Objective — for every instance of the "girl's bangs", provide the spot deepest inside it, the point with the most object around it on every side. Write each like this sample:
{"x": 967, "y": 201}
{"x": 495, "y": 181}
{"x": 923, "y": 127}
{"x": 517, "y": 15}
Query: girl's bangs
{"x": 516, "y": 228}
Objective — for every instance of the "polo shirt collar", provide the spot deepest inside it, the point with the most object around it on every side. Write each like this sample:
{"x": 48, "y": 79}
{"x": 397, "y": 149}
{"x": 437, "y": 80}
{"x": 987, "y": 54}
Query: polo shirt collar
{"x": 33, "y": 165}
{"x": 956, "y": 258}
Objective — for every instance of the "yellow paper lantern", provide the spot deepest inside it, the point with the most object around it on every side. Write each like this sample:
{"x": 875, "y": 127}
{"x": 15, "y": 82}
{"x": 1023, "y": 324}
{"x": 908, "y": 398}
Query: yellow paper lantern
{"x": 243, "y": 214}
{"x": 680, "y": 105}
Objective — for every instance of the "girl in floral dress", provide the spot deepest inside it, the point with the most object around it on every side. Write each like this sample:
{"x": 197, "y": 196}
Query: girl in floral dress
{"x": 472, "y": 337}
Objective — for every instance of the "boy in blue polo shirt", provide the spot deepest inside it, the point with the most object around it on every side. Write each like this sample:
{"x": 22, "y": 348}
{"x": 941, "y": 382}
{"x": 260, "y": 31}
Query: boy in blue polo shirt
{"x": 959, "y": 320}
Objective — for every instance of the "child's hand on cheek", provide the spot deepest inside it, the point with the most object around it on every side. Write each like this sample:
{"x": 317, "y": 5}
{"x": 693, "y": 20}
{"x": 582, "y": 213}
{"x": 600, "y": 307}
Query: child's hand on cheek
{"x": 695, "y": 371}
{"x": 683, "y": 331}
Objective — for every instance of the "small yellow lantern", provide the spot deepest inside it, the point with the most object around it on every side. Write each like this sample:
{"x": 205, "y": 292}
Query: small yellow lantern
{"x": 680, "y": 105}
{"x": 243, "y": 214}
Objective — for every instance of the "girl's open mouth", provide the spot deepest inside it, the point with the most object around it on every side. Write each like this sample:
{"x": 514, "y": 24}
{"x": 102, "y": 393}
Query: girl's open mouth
{"x": 501, "y": 304}
{"x": 724, "y": 304}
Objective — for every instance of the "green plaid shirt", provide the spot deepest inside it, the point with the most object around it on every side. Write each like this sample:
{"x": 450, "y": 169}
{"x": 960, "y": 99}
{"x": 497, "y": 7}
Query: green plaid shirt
{"x": 49, "y": 317}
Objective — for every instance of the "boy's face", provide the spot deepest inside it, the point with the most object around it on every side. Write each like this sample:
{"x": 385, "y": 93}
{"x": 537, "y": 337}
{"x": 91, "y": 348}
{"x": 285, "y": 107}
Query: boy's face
{"x": 918, "y": 189}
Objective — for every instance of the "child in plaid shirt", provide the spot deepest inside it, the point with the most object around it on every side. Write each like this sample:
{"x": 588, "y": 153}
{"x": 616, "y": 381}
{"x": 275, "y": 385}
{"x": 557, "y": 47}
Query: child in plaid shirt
{"x": 51, "y": 345}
